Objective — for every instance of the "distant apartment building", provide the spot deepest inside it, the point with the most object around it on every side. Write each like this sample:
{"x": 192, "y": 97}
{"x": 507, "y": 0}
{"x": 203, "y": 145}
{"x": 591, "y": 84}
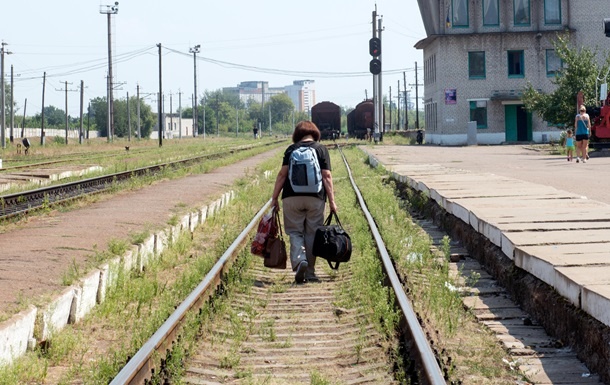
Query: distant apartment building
{"x": 301, "y": 92}
{"x": 257, "y": 91}
{"x": 480, "y": 54}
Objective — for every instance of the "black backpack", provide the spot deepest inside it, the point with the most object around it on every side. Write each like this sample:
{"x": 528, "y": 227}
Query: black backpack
{"x": 332, "y": 242}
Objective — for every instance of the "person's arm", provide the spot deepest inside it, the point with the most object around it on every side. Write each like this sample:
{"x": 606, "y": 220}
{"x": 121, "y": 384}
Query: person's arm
{"x": 327, "y": 181}
{"x": 279, "y": 185}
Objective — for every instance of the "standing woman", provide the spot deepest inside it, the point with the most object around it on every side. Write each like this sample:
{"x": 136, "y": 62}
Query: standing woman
{"x": 582, "y": 123}
{"x": 304, "y": 212}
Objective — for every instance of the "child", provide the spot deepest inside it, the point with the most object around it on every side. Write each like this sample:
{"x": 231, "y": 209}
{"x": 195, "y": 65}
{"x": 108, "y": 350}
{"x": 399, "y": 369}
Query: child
{"x": 570, "y": 145}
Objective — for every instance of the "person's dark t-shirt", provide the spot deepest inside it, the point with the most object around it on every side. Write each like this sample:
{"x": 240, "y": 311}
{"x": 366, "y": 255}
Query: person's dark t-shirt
{"x": 323, "y": 159}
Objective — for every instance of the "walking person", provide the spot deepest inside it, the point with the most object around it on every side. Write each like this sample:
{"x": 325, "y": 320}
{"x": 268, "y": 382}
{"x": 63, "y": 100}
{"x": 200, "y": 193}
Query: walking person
{"x": 304, "y": 210}
{"x": 569, "y": 143}
{"x": 582, "y": 124}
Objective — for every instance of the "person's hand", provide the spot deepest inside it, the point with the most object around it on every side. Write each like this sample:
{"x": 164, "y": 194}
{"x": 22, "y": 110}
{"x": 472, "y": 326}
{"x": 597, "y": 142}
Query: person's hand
{"x": 275, "y": 204}
{"x": 333, "y": 207}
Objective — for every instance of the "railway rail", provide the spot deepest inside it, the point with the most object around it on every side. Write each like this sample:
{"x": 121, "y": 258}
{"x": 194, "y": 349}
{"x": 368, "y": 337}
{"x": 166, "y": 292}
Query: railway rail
{"x": 319, "y": 344}
{"x": 12, "y": 205}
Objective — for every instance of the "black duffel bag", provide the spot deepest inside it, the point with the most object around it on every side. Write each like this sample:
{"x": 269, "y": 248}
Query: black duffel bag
{"x": 332, "y": 242}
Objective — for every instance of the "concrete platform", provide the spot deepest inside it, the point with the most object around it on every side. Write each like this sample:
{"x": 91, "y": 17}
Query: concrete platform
{"x": 559, "y": 236}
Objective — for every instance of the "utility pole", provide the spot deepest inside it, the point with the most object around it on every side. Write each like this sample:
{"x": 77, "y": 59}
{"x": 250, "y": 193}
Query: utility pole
{"x": 44, "y": 82}
{"x": 25, "y": 106}
{"x": 12, "y": 106}
{"x": 390, "y": 104}
{"x": 171, "y": 112}
{"x": 82, "y": 95}
{"x": 217, "y": 105}
{"x": 195, "y": 50}
{"x": 159, "y": 106}
{"x": 128, "y": 120}
{"x": 3, "y": 101}
{"x": 138, "y": 110}
{"x": 398, "y": 107}
{"x": 416, "y": 99}
{"x": 404, "y": 82}
{"x": 110, "y": 10}
{"x": 179, "y": 114}
{"x": 380, "y": 92}
{"x": 66, "y": 104}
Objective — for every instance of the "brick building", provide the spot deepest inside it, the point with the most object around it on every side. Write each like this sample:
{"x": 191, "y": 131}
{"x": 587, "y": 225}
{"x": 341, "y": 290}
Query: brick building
{"x": 480, "y": 54}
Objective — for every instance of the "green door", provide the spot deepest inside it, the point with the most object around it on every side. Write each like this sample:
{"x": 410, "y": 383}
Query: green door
{"x": 517, "y": 123}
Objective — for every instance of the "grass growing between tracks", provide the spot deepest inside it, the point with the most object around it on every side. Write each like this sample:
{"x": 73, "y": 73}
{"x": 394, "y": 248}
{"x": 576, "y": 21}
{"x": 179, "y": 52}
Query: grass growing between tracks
{"x": 470, "y": 353}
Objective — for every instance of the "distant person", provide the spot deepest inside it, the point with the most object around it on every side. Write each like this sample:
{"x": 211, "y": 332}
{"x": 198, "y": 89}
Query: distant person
{"x": 582, "y": 123}
{"x": 304, "y": 211}
{"x": 368, "y": 134}
{"x": 255, "y": 130}
{"x": 569, "y": 143}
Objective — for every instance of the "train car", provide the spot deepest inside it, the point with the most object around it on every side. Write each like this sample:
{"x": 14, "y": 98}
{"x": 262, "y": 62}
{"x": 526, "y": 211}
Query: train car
{"x": 363, "y": 117}
{"x": 327, "y": 116}
{"x": 600, "y": 124}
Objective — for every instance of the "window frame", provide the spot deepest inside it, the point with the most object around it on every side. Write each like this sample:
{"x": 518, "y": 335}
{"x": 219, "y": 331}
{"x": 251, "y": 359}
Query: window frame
{"x": 473, "y": 112}
{"x": 509, "y": 54}
{"x": 470, "y": 61}
{"x": 546, "y": 22}
{"x": 453, "y": 14}
{"x": 529, "y": 13}
{"x": 552, "y": 73}
{"x": 483, "y": 12}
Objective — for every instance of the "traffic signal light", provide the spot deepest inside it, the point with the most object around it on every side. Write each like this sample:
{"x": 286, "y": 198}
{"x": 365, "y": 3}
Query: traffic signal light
{"x": 375, "y": 47}
{"x": 375, "y": 66}
{"x": 607, "y": 27}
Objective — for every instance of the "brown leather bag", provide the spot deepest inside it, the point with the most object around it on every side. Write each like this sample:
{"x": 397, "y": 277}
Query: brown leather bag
{"x": 275, "y": 250}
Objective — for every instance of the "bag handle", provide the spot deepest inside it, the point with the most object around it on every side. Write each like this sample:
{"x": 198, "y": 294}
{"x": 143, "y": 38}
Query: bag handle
{"x": 336, "y": 267}
{"x": 330, "y": 217}
{"x": 276, "y": 219}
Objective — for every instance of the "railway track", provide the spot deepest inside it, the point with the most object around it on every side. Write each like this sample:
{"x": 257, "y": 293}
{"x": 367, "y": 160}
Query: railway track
{"x": 282, "y": 333}
{"x": 21, "y": 203}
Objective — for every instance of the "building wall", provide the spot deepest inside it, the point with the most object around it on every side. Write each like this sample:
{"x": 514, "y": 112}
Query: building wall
{"x": 446, "y": 65}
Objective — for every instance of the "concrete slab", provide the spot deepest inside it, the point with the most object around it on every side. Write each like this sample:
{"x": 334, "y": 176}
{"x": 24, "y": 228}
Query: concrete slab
{"x": 15, "y": 334}
{"x": 542, "y": 261}
{"x": 569, "y": 281}
{"x": 596, "y": 301}
{"x": 56, "y": 315}
{"x": 88, "y": 293}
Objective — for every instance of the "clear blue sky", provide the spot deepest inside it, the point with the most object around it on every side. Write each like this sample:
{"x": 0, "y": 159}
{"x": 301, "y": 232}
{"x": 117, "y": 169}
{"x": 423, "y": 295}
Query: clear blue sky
{"x": 301, "y": 40}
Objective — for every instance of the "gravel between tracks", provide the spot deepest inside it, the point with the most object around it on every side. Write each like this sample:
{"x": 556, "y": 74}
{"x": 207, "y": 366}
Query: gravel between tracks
{"x": 35, "y": 254}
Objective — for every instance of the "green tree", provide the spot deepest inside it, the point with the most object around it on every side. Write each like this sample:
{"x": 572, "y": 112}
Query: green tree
{"x": 578, "y": 73}
{"x": 53, "y": 116}
{"x": 99, "y": 114}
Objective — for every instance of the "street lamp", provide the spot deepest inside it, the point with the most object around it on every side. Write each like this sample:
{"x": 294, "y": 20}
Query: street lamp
{"x": 195, "y": 50}
{"x": 110, "y": 10}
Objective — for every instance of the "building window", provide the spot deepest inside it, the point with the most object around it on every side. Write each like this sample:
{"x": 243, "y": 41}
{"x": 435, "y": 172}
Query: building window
{"x": 522, "y": 12}
{"x": 515, "y": 64}
{"x": 476, "y": 65}
{"x": 491, "y": 13}
{"x": 478, "y": 112}
{"x": 553, "y": 63}
{"x": 460, "y": 13}
{"x": 552, "y": 11}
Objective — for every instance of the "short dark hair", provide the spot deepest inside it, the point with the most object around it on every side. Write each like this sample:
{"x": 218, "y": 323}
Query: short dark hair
{"x": 304, "y": 128}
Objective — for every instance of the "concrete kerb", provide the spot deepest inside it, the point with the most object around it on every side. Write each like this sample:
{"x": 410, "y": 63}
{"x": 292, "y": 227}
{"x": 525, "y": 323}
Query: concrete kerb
{"x": 20, "y": 333}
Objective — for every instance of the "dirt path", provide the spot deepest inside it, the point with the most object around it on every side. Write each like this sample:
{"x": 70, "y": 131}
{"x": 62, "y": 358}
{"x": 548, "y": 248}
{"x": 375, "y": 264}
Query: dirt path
{"x": 35, "y": 256}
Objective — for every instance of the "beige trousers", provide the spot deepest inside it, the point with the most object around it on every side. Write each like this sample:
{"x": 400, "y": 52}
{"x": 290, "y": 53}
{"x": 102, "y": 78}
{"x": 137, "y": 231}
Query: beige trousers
{"x": 302, "y": 217}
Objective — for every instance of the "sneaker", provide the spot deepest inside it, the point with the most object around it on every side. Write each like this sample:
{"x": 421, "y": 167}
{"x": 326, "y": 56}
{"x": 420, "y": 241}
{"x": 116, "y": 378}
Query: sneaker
{"x": 587, "y": 157}
{"x": 299, "y": 276}
{"x": 568, "y": 159}
{"x": 577, "y": 160}
{"x": 584, "y": 161}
